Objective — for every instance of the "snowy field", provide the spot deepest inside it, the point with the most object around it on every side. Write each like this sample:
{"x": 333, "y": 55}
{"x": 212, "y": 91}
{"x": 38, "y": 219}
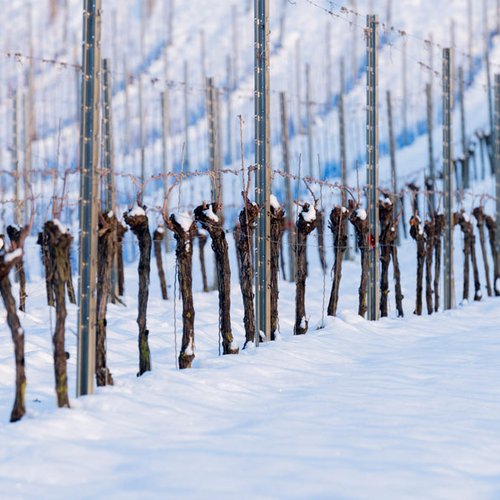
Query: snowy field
{"x": 401, "y": 408}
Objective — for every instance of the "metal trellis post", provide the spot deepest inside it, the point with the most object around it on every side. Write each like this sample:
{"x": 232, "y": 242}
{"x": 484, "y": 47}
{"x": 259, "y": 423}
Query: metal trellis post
{"x": 448, "y": 177}
{"x": 372, "y": 166}
{"x": 263, "y": 172}
{"x": 89, "y": 156}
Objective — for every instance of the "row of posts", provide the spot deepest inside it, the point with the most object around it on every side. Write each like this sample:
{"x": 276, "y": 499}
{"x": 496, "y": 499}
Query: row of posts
{"x": 89, "y": 157}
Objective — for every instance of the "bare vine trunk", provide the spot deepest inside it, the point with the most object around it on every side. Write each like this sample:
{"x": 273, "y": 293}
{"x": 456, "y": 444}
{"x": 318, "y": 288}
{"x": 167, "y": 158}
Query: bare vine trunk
{"x": 184, "y": 255}
{"x": 359, "y": 220}
{"x": 338, "y": 216}
{"x": 248, "y": 216}
{"x": 475, "y": 269}
{"x": 466, "y": 227}
{"x": 206, "y": 215}
{"x": 277, "y": 225}
{"x": 386, "y": 211}
{"x": 6, "y": 263}
{"x": 438, "y": 233}
{"x": 14, "y": 236}
{"x": 107, "y": 248}
{"x": 138, "y": 223}
{"x": 417, "y": 233}
{"x": 320, "y": 228}
{"x": 306, "y": 223}
{"x": 480, "y": 218}
{"x": 120, "y": 234}
{"x": 491, "y": 226}
{"x": 430, "y": 236}
{"x": 158, "y": 236}
{"x": 202, "y": 241}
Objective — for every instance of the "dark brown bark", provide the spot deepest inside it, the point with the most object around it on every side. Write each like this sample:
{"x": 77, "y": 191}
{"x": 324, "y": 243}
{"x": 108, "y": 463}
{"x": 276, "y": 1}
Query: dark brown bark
{"x": 158, "y": 236}
{"x": 475, "y": 269}
{"x": 248, "y": 216}
{"x": 282, "y": 255}
{"x": 439, "y": 223}
{"x": 478, "y": 213}
{"x": 139, "y": 226}
{"x": 202, "y": 241}
{"x": 121, "y": 229}
{"x": 386, "y": 212}
{"x": 15, "y": 236}
{"x": 320, "y": 228}
{"x": 277, "y": 225}
{"x": 491, "y": 226}
{"x": 360, "y": 222}
{"x": 306, "y": 223}
{"x": 206, "y": 215}
{"x": 397, "y": 279}
{"x": 184, "y": 254}
{"x": 58, "y": 244}
{"x": 6, "y": 263}
{"x": 107, "y": 249}
{"x": 236, "y": 236}
{"x": 429, "y": 251}
{"x": 466, "y": 228}
{"x": 417, "y": 233}
{"x": 338, "y": 216}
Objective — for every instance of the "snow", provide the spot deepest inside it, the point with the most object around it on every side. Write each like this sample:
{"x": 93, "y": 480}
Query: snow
{"x": 62, "y": 228}
{"x": 466, "y": 217}
{"x": 344, "y": 210}
{"x": 497, "y": 285}
{"x": 309, "y": 215}
{"x": 136, "y": 211}
{"x": 9, "y": 257}
{"x": 361, "y": 213}
{"x": 1, "y": 243}
{"x": 110, "y": 214}
{"x": 209, "y": 213}
{"x": 160, "y": 229}
{"x": 274, "y": 202}
{"x": 185, "y": 220}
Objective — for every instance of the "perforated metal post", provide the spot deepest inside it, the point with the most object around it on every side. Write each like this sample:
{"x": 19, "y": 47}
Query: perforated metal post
{"x": 372, "y": 165}
{"x": 449, "y": 294}
{"x": 263, "y": 172}
{"x": 89, "y": 161}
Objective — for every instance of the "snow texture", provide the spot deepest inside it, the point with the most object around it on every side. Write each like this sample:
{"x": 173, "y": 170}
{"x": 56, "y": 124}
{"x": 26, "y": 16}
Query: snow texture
{"x": 274, "y": 202}
{"x": 62, "y": 228}
{"x": 309, "y": 215}
{"x": 361, "y": 213}
{"x": 136, "y": 211}
{"x": 185, "y": 220}
{"x": 209, "y": 213}
{"x": 13, "y": 255}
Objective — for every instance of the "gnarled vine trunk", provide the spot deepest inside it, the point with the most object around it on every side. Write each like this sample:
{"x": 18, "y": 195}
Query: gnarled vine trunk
{"x": 277, "y": 225}
{"x": 248, "y": 216}
{"x": 491, "y": 226}
{"x": 121, "y": 229}
{"x": 107, "y": 249}
{"x": 202, "y": 241}
{"x": 206, "y": 215}
{"x": 429, "y": 251}
{"x": 158, "y": 236}
{"x": 417, "y": 233}
{"x": 306, "y": 223}
{"x": 338, "y": 216}
{"x": 15, "y": 236}
{"x": 386, "y": 211}
{"x": 138, "y": 223}
{"x": 359, "y": 220}
{"x": 320, "y": 229}
{"x": 439, "y": 223}
{"x": 478, "y": 213}
{"x": 7, "y": 261}
{"x": 184, "y": 231}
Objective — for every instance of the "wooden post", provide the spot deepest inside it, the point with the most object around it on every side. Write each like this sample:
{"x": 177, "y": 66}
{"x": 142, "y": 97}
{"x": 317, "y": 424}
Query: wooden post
{"x": 263, "y": 173}
{"x": 372, "y": 165}
{"x": 213, "y": 139}
{"x": 404, "y": 102}
{"x": 290, "y": 223}
{"x": 470, "y": 37}
{"x": 89, "y": 161}
{"x": 165, "y": 120}
{"x": 488, "y": 66}
{"x": 328, "y": 66}
{"x": 142, "y": 131}
{"x": 449, "y": 294}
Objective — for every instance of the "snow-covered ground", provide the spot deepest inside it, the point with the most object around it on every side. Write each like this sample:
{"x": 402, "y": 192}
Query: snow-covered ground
{"x": 401, "y": 408}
